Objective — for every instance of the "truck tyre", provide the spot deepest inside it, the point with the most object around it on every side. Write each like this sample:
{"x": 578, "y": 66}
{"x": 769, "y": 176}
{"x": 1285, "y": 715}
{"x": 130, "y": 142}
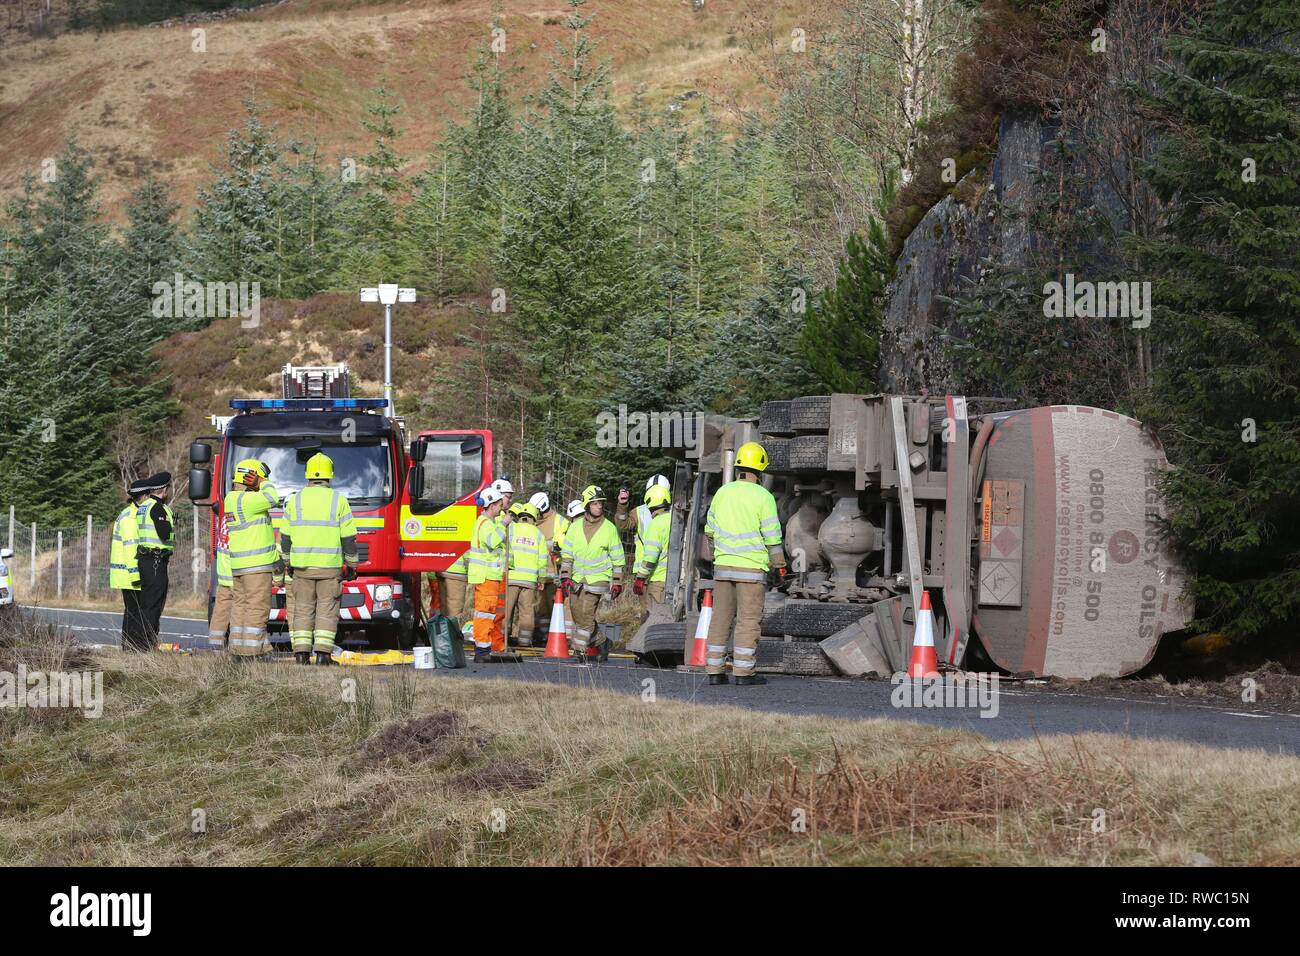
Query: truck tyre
{"x": 809, "y": 453}
{"x": 806, "y": 658}
{"x": 770, "y": 657}
{"x": 663, "y": 645}
{"x": 819, "y": 619}
{"x": 778, "y": 453}
{"x": 773, "y": 622}
{"x": 811, "y": 414}
{"x": 774, "y": 419}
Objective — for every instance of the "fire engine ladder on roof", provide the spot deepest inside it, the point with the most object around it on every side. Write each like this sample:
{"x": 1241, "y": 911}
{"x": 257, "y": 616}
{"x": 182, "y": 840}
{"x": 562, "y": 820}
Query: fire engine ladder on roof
{"x": 316, "y": 381}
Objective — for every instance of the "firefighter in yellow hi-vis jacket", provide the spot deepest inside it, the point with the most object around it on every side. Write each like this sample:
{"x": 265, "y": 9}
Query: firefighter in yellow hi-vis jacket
{"x": 591, "y": 565}
{"x": 319, "y": 545}
{"x": 524, "y": 580}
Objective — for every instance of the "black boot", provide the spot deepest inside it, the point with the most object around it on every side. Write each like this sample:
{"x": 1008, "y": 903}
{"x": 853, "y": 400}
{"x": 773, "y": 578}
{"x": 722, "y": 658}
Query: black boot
{"x": 749, "y": 681}
{"x": 326, "y": 659}
{"x": 603, "y": 656}
{"x": 580, "y": 656}
{"x": 482, "y": 656}
{"x": 302, "y": 657}
{"x": 719, "y": 679}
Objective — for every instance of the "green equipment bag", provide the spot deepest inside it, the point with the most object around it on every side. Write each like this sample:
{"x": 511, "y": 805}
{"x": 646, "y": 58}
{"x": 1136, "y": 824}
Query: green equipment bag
{"x": 447, "y": 642}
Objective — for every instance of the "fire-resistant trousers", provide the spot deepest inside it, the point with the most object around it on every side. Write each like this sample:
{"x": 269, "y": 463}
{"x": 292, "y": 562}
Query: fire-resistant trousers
{"x": 315, "y": 620}
{"x": 251, "y": 602}
{"x": 741, "y": 602}
{"x": 489, "y": 615}
{"x": 220, "y": 623}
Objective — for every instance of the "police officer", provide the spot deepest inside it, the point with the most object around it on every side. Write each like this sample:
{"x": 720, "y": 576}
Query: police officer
{"x": 124, "y": 572}
{"x": 743, "y": 542}
{"x": 155, "y": 543}
{"x": 318, "y": 543}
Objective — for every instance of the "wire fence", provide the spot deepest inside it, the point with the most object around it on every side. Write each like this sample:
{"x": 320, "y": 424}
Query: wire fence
{"x": 50, "y": 565}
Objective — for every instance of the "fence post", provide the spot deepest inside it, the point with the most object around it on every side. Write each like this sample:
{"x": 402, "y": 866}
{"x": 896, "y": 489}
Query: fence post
{"x": 11, "y": 527}
{"x": 90, "y": 526}
{"x": 32, "y": 567}
{"x": 58, "y": 587}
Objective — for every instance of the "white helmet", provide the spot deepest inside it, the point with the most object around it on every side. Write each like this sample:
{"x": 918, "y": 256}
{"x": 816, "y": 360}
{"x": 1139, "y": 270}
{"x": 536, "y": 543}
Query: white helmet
{"x": 503, "y": 486}
{"x": 574, "y": 509}
{"x": 659, "y": 480}
{"x": 540, "y": 502}
{"x": 490, "y": 495}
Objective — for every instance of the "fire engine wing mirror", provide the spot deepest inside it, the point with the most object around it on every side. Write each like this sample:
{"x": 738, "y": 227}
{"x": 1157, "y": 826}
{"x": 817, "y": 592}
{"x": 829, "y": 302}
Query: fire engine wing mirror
{"x": 200, "y": 453}
{"x": 415, "y": 483}
{"x": 418, "y": 448}
{"x": 471, "y": 445}
{"x": 200, "y": 484}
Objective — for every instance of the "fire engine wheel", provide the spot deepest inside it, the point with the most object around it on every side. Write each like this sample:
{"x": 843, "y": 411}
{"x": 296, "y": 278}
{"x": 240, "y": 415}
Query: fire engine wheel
{"x": 774, "y": 419}
{"x": 811, "y": 414}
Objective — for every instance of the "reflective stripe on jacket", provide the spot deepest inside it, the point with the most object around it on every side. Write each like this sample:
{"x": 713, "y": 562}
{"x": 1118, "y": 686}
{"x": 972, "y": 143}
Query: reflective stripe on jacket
{"x": 486, "y": 558}
{"x": 593, "y": 563}
{"x": 250, "y": 535}
{"x": 123, "y": 566}
{"x": 652, "y": 551}
{"x": 528, "y": 553}
{"x": 149, "y": 535}
{"x": 318, "y": 529}
{"x": 745, "y": 529}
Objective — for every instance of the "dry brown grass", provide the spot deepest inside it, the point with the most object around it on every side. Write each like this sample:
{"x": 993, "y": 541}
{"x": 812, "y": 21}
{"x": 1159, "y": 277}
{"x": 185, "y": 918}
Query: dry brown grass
{"x": 139, "y": 98}
{"x": 461, "y": 771}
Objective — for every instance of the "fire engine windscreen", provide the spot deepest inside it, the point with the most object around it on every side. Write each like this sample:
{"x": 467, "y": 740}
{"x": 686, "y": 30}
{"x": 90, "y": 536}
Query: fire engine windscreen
{"x": 362, "y": 469}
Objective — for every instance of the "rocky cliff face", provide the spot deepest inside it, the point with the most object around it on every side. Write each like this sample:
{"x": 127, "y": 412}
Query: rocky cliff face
{"x": 978, "y": 224}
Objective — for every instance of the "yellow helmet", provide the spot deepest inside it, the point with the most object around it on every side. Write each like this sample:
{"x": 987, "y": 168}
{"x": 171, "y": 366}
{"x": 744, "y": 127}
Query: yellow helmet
{"x": 751, "y": 455}
{"x": 250, "y": 466}
{"x": 592, "y": 493}
{"x": 657, "y": 497}
{"x": 516, "y": 508}
{"x": 531, "y": 510}
{"x": 319, "y": 466}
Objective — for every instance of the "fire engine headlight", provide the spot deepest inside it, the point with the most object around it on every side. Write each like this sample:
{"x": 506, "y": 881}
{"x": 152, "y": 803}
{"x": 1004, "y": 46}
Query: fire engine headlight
{"x": 4, "y": 593}
{"x": 383, "y": 592}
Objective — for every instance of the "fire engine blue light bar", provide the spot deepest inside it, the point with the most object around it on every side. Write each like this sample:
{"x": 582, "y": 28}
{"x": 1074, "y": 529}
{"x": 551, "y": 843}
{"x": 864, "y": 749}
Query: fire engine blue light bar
{"x": 289, "y": 404}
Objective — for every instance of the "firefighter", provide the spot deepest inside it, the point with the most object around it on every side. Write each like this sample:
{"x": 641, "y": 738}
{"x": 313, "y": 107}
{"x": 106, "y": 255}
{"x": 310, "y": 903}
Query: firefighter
{"x": 154, "y": 546}
{"x": 452, "y": 589}
{"x": 318, "y": 544}
{"x": 507, "y": 491}
{"x": 487, "y": 565}
{"x": 223, "y": 599}
{"x": 591, "y": 565}
{"x": 548, "y": 523}
{"x": 639, "y": 519}
{"x": 254, "y": 558}
{"x": 651, "y": 559}
{"x": 527, "y": 563}
{"x": 743, "y": 541}
{"x": 124, "y": 573}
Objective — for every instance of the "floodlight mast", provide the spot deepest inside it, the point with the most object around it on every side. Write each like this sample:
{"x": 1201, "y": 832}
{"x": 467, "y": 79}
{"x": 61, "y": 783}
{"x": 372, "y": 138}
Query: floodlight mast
{"x": 388, "y": 293}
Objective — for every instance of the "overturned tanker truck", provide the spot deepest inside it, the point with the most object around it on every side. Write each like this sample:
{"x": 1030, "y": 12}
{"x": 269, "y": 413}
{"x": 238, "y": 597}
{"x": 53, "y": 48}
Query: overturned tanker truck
{"x": 1036, "y": 533}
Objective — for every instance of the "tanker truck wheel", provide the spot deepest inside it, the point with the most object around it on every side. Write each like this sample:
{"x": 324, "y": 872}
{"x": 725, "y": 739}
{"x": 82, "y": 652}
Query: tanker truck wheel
{"x": 811, "y": 414}
{"x": 774, "y": 419}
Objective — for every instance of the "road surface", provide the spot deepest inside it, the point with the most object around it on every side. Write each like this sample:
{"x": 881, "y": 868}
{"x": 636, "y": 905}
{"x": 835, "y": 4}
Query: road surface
{"x": 1022, "y": 710}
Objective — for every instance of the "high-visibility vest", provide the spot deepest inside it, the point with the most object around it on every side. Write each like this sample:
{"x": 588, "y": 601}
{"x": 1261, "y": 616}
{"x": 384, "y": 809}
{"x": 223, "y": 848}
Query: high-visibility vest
{"x": 458, "y": 568}
{"x": 224, "y": 578}
{"x": 528, "y": 553}
{"x": 652, "y": 550}
{"x": 250, "y": 536}
{"x": 743, "y": 524}
{"x": 319, "y": 523}
{"x": 149, "y": 536}
{"x": 123, "y": 566}
{"x": 596, "y": 562}
{"x": 487, "y": 551}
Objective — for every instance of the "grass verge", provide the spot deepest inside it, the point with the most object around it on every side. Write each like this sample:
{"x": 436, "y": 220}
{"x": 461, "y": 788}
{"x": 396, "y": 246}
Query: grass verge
{"x": 201, "y": 760}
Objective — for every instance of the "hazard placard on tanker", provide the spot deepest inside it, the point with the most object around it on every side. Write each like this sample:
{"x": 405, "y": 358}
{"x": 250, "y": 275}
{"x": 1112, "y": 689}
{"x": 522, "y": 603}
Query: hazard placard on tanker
{"x": 1074, "y": 579}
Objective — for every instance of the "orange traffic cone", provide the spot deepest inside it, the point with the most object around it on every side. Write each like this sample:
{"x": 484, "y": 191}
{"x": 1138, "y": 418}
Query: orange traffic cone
{"x": 924, "y": 662}
{"x": 557, "y": 640}
{"x": 699, "y": 656}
